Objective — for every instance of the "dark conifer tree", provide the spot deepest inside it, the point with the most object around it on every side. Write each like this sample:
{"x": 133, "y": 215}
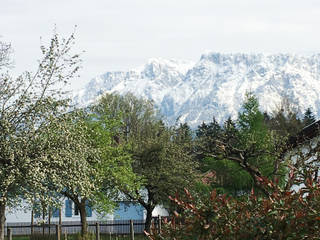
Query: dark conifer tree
{"x": 308, "y": 117}
{"x": 285, "y": 122}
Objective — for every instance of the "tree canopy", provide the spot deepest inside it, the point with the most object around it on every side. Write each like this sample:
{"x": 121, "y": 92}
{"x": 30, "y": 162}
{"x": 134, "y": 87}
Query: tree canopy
{"x": 240, "y": 150}
{"x": 28, "y": 103}
{"x": 159, "y": 160}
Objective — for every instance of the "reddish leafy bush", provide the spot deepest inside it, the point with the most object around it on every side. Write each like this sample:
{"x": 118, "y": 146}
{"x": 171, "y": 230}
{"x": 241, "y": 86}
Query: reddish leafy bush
{"x": 282, "y": 214}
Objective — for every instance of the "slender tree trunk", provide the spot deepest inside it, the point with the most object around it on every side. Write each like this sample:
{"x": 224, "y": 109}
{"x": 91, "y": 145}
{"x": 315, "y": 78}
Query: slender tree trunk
{"x": 83, "y": 218}
{"x": 2, "y": 219}
{"x": 60, "y": 217}
{"x": 32, "y": 221}
{"x": 49, "y": 219}
{"x": 147, "y": 225}
{"x": 43, "y": 218}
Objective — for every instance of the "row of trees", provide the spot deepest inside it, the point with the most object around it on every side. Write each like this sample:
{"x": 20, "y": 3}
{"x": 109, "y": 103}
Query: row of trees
{"x": 121, "y": 147}
{"x": 252, "y": 145}
{"x": 254, "y": 185}
{"x": 49, "y": 149}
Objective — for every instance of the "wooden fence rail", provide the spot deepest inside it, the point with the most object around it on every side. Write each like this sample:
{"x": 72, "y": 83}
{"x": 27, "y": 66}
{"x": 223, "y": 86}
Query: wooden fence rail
{"x": 110, "y": 227}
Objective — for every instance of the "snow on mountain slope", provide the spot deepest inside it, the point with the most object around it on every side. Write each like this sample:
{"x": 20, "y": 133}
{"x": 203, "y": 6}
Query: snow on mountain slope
{"x": 215, "y": 85}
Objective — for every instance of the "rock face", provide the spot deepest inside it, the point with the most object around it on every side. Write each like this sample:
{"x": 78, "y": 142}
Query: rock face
{"x": 215, "y": 85}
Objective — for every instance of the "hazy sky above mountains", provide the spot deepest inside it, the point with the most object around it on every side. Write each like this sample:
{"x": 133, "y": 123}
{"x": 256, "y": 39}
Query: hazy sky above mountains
{"x": 123, "y": 34}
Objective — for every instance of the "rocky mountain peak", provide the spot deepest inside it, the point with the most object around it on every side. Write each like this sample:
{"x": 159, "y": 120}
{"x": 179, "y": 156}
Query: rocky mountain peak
{"x": 216, "y": 84}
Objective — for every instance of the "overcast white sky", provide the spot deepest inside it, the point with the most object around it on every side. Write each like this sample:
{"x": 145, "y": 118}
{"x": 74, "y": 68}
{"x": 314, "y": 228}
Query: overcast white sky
{"x": 123, "y": 34}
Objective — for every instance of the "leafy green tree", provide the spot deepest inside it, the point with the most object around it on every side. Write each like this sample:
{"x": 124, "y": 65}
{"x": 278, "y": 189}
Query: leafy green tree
{"x": 132, "y": 112}
{"x": 162, "y": 164}
{"x": 229, "y": 176}
{"x": 242, "y": 151}
{"x": 115, "y": 166}
{"x": 28, "y": 103}
{"x": 255, "y": 136}
{"x": 84, "y": 162}
{"x": 70, "y": 161}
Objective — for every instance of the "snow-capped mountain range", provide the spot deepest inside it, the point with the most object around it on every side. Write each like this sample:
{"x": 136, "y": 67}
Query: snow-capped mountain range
{"x": 215, "y": 85}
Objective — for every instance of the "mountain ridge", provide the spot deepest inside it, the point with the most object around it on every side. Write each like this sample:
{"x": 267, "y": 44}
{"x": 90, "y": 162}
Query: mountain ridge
{"x": 215, "y": 85}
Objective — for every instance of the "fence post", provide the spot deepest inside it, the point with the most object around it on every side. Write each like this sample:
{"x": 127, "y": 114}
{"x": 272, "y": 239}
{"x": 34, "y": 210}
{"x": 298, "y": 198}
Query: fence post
{"x": 9, "y": 233}
{"x": 97, "y": 231}
{"x": 159, "y": 223}
{"x": 131, "y": 230}
{"x": 58, "y": 231}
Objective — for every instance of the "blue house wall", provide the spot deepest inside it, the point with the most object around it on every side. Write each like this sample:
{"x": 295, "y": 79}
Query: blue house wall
{"x": 129, "y": 210}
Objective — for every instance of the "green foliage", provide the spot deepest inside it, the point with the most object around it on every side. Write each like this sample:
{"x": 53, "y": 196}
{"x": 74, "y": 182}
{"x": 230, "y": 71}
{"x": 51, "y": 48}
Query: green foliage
{"x": 160, "y": 154}
{"x": 285, "y": 120}
{"x": 29, "y": 103}
{"x": 69, "y": 159}
{"x": 183, "y": 135}
{"x": 115, "y": 165}
{"x": 164, "y": 164}
{"x": 240, "y": 150}
{"x": 255, "y": 137}
{"x": 133, "y": 113}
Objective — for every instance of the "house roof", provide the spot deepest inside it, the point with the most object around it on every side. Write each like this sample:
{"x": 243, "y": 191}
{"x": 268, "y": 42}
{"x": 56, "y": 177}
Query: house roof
{"x": 305, "y": 134}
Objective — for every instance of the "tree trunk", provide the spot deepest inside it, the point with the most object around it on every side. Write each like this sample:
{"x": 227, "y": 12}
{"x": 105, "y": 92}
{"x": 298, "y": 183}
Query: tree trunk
{"x": 49, "y": 219}
{"x": 32, "y": 221}
{"x": 147, "y": 225}
{"x": 83, "y": 217}
{"x": 2, "y": 219}
{"x": 60, "y": 217}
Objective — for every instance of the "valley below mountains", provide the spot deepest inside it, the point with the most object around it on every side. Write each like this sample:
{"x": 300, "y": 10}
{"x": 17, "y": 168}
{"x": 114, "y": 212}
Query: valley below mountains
{"x": 215, "y": 86}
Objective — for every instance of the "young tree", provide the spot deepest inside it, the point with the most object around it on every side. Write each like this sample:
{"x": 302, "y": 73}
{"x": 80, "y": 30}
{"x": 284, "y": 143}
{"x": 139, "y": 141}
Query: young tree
{"x": 26, "y": 104}
{"x": 243, "y": 151}
{"x": 84, "y": 163}
{"x": 163, "y": 165}
{"x": 70, "y": 159}
{"x": 255, "y": 136}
